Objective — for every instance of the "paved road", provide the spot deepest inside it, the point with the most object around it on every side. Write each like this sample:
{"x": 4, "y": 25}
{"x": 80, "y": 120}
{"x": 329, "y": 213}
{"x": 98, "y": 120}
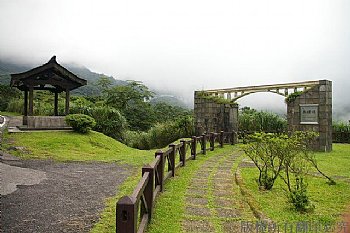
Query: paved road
{"x": 47, "y": 196}
{"x": 11, "y": 176}
{"x": 2, "y": 121}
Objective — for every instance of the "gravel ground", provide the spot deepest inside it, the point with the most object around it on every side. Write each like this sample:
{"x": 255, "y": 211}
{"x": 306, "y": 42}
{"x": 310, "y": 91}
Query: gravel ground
{"x": 70, "y": 199}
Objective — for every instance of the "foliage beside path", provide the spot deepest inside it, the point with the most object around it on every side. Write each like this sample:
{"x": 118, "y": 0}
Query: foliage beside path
{"x": 330, "y": 201}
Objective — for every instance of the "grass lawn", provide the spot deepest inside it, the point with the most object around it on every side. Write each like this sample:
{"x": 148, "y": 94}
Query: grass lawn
{"x": 170, "y": 205}
{"x": 3, "y": 113}
{"x": 71, "y": 146}
{"x": 330, "y": 201}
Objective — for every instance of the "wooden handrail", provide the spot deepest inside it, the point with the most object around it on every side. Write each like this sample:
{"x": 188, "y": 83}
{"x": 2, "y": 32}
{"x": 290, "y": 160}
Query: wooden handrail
{"x": 153, "y": 178}
{"x": 140, "y": 187}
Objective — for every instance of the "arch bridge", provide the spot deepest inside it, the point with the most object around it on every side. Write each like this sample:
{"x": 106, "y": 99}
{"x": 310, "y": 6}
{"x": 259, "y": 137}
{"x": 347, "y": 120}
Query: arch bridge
{"x": 281, "y": 89}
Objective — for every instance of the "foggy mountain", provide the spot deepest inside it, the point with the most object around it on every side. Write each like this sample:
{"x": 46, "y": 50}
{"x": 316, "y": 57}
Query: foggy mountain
{"x": 7, "y": 68}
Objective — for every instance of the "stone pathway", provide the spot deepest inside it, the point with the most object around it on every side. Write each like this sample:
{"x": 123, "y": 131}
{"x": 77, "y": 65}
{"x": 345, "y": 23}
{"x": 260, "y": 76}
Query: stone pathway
{"x": 214, "y": 202}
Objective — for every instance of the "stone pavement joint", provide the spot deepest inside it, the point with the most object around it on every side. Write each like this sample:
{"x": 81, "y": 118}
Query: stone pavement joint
{"x": 213, "y": 200}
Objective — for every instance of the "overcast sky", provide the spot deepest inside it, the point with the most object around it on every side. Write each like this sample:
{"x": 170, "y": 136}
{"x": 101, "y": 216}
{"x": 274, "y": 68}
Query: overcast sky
{"x": 188, "y": 45}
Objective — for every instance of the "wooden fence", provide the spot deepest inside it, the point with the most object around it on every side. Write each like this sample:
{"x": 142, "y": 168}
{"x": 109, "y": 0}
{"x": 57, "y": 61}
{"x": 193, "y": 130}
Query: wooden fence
{"x": 134, "y": 212}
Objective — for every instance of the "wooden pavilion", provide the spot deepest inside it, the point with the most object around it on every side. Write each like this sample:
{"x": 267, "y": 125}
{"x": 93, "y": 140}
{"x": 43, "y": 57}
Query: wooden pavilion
{"x": 50, "y": 76}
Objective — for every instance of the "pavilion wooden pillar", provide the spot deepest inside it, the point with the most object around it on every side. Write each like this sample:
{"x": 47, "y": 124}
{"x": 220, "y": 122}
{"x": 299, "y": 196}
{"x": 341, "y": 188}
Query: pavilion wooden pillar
{"x": 67, "y": 102}
{"x": 31, "y": 101}
{"x": 25, "y": 107}
{"x": 56, "y": 104}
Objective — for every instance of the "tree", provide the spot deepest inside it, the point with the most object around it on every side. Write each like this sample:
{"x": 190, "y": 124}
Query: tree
{"x": 104, "y": 83}
{"x": 132, "y": 101}
{"x": 268, "y": 152}
{"x": 287, "y": 157}
{"x": 7, "y": 93}
{"x": 123, "y": 96}
{"x": 140, "y": 116}
{"x": 165, "y": 112}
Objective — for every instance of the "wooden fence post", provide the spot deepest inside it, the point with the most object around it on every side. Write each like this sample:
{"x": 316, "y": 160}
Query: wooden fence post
{"x": 221, "y": 139}
{"x": 160, "y": 170}
{"x": 194, "y": 147}
{"x": 204, "y": 144}
{"x": 233, "y": 137}
{"x": 183, "y": 152}
{"x": 212, "y": 141}
{"x": 126, "y": 215}
{"x": 148, "y": 192}
{"x": 172, "y": 159}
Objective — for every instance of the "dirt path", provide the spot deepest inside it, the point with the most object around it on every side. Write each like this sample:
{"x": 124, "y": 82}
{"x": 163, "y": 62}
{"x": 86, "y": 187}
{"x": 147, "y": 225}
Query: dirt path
{"x": 69, "y": 199}
{"x": 214, "y": 203}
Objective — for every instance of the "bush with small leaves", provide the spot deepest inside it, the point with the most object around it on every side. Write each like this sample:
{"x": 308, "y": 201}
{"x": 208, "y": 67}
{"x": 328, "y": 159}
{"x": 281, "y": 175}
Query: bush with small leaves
{"x": 80, "y": 123}
{"x": 298, "y": 196}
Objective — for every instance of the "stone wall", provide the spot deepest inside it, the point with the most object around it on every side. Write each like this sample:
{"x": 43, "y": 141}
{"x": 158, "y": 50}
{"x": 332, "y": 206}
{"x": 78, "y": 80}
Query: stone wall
{"x": 211, "y": 116}
{"x": 312, "y": 111}
{"x": 46, "y": 122}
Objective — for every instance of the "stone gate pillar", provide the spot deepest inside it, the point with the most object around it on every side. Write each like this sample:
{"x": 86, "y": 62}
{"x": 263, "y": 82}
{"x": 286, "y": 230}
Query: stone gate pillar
{"x": 312, "y": 111}
{"x": 213, "y": 115}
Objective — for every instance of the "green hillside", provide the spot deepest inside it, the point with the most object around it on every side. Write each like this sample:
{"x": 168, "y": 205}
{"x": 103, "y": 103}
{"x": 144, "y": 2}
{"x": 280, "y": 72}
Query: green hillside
{"x": 71, "y": 146}
{"x": 7, "y": 68}
{"x": 171, "y": 100}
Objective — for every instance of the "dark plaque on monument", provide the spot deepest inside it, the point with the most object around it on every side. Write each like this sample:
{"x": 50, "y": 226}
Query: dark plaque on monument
{"x": 309, "y": 114}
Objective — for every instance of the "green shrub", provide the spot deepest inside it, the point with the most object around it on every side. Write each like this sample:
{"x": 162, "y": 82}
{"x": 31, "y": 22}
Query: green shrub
{"x": 268, "y": 152}
{"x": 80, "y": 122}
{"x": 291, "y": 97}
{"x": 340, "y": 126}
{"x": 109, "y": 121}
{"x": 299, "y": 198}
{"x": 252, "y": 120}
{"x": 288, "y": 158}
{"x": 7, "y": 94}
{"x": 15, "y": 105}
{"x": 160, "y": 135}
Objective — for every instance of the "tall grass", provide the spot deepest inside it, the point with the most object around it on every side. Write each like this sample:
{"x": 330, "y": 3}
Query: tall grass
{"x": 253, "y": 120}
{"x": 341, "y": 132}
{"x": 160, "y": 134}
{"x": 340, "y": 126}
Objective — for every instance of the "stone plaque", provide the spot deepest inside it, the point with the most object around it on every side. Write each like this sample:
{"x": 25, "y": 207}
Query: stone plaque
{"x": 308, "y": 113}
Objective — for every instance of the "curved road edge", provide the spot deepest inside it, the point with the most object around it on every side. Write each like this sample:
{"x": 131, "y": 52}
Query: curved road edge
{"x": 2, "y": 121}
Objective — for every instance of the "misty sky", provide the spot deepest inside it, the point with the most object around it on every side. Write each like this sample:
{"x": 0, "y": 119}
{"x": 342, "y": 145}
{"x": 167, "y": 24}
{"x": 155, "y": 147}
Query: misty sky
{"x": 186, "y": 45}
